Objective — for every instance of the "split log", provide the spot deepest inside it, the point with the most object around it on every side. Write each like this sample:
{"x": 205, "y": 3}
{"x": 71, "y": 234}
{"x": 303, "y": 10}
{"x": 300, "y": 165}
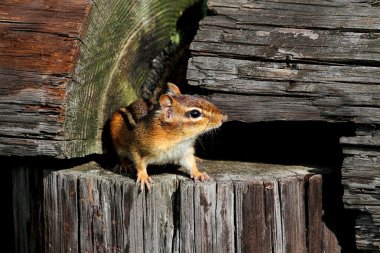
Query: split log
{"x": 246, "y": 207}
{"x": 66, "y": 66}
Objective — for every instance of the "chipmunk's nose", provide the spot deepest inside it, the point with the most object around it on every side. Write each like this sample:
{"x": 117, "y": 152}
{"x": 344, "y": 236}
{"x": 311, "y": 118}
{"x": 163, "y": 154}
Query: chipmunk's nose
{"x": 224, "y": 117}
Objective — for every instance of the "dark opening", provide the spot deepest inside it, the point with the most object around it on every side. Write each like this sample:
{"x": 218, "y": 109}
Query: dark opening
{"x": 7, "y": 239}
{"x": 296, "y": 143}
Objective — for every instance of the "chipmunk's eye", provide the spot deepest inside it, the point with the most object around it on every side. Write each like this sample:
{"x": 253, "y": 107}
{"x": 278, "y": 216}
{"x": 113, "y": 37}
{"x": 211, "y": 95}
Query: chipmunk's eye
{"x": 194, "y": 113}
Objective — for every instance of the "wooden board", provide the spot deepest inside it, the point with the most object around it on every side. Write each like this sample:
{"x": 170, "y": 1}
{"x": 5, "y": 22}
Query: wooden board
{"x": 246, "y": 207}
{"x": 66, "y": 66}
{"x": 334, "y": 15}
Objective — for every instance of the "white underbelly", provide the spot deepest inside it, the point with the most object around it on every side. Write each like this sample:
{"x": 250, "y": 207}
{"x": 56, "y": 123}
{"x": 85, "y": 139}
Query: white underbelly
{"x": 172, "y": 154}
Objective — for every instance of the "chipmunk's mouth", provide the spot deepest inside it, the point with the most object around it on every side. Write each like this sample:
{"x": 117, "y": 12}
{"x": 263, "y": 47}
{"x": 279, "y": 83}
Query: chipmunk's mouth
{"x": 224, "y": 117}
{"x": 217, "y": 125}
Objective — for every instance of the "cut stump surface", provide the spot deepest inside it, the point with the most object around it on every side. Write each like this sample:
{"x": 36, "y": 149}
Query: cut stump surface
{"x": 245, "y": 207}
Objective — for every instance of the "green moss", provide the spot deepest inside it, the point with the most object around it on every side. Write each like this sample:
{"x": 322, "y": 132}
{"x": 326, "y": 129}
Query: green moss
{"x": 175, "y": 38}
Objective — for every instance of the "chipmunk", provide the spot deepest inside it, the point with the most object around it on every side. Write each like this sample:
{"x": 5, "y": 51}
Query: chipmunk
{"x": 163, "y": 133}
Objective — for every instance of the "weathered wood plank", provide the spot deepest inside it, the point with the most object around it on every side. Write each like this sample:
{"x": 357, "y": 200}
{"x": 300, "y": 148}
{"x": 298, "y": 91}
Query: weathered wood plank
{"x": 372, "y": 140}
{"x": 282, "y": 92}
{"x": 160, "y": 207}
{"x": 186, "y": 226}
{"x": 336, "y": 15}
{"x": 279, "y": 71}
{"x": 204, "y": 217}
{"x": 51, "y": 236}
{"x": 87, "y": 203}
{"x": 246, "y": 207}
{"x": 223, "y": 36}
{"x": 68, "y": 216}
{"x": 271, "y": 108}
{"x": 259, "y": 108}
{"x": 39, "y": 48}
{"x": 314, "y": 218}
{"x": 136, "y": 220}
{"x": 224, "y": 215}
{"x": 254, "y": 235}
{"x": 293, "y": 218}
{"x": 44, "y": 36}
{"x": 273, "y": 215}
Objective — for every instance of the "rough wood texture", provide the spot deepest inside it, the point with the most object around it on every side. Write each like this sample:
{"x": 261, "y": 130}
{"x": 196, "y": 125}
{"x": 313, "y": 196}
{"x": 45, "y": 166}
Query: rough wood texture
{"x": 301, "y": 61}
{"x": 312, "y": 66}
{"x": 361, "y": 181}
{"x": 246, "y": 207}
{"x": 66, "y": 66}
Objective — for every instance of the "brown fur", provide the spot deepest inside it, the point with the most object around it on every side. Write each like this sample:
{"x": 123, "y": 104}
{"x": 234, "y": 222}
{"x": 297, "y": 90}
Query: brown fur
{"x": 163, "y": 135}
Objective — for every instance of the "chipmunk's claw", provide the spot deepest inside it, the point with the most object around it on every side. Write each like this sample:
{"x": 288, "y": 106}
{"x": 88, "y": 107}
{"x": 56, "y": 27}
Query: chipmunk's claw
{"x": 145, "y": 181}
{"x": 200, "y": 176}
{"x": 124, "y": 168}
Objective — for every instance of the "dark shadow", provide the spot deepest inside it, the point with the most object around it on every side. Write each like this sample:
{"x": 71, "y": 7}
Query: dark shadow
{"x": 288, "y": 143}
{"x": 187, "y": 27}
{"x": 109, "y": 158}
{"x": 7, "y": 238}
{"x": 339, "y": 220}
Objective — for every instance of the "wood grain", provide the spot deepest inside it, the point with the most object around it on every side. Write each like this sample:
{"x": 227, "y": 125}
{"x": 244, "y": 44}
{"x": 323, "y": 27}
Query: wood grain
{"x": 246, "y": 207}
{"x": 39, "y": 47}
{"x": 351, "y": 15}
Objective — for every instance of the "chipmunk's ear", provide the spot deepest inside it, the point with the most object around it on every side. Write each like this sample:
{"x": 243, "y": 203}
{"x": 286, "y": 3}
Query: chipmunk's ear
{"x": 166, "y": 102}
{"x": 172, "y": 88}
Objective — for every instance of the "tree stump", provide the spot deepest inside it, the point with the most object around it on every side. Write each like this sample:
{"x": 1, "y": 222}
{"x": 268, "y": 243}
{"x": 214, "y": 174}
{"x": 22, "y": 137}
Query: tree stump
{"x": 246, "y": 207}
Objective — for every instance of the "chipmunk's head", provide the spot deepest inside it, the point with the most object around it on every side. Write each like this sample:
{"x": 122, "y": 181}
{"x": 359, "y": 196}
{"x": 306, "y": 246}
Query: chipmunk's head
{"x": 190, "y": 115}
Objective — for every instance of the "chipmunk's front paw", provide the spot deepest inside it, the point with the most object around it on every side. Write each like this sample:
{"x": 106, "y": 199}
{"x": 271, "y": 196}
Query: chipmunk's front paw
{"x": 124, "y": 167}
{"x": 144, "y": 180}
{"x": 199, "y": 176}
